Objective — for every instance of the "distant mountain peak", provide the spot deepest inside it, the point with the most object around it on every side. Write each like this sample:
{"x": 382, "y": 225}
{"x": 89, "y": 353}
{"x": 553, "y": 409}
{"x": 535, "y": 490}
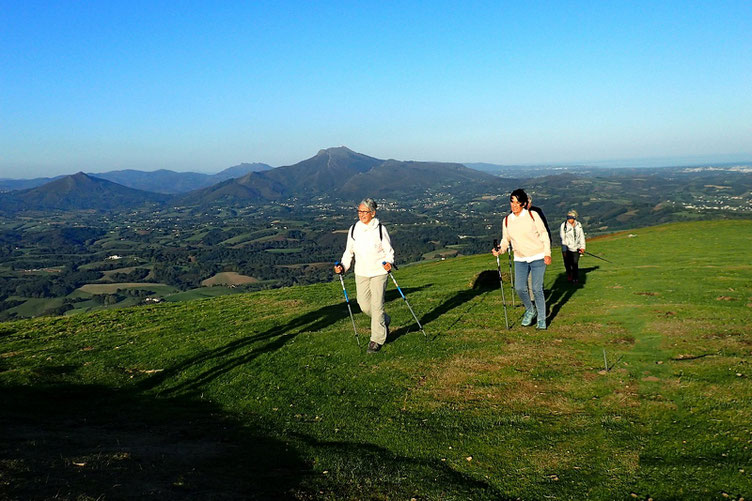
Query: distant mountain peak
{"x": 336, "y": 149}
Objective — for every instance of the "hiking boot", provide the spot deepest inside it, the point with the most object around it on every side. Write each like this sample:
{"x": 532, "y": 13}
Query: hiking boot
{"x": 541, "y": 325}
{"x": 373, "y": 347}
{"x": 527, "y": 318}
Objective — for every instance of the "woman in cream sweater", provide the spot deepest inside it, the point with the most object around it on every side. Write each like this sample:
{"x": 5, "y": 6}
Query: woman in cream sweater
{"x": 532, "y": 253}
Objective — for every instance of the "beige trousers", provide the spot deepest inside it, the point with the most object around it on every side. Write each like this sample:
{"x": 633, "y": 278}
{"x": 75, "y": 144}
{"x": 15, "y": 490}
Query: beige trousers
{"x": 370, "y": 292}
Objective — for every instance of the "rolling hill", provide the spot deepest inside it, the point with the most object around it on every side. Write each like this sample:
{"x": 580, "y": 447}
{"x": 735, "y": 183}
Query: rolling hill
{"x": 78, "y": 191}
{"x": 171, "y": 182}
{"x": 639, "y": 389}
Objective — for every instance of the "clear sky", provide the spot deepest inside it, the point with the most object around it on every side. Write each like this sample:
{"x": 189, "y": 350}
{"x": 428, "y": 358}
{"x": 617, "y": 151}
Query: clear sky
{"x": 201, "y": 86}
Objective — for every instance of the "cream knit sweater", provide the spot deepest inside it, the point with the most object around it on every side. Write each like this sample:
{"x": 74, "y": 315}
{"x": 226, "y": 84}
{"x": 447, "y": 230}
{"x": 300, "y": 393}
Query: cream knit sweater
{"x": 527, "y": 235}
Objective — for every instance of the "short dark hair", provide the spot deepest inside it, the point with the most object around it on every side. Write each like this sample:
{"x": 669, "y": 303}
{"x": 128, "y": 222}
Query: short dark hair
{"x": 521, "y": 196}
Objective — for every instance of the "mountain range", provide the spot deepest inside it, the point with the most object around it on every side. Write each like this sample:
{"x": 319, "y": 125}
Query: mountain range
{"x": 338, "y": 172}
{"x": 158, "y": 181}
{"x": 344, "y": 173}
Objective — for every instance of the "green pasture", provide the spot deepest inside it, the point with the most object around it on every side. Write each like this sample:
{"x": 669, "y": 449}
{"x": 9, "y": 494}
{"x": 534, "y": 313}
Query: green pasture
{"x": 639, "y": 389}
{"x": 33, "y": 307}
{"x": 113, "y": 287}
{"x": 290, "y": 250}
{"x": 201, "y": 293}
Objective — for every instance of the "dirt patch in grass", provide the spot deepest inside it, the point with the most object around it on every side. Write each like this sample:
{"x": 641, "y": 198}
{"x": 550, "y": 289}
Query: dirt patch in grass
{"x": 623, "y": 339}
{"x": 699, "y": 336}
{"x": 509, "y": 380}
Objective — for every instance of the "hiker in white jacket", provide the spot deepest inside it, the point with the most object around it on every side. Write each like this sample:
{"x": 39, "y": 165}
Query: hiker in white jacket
{"x": 572, "y": 245}
{"x": 368, "y": 242}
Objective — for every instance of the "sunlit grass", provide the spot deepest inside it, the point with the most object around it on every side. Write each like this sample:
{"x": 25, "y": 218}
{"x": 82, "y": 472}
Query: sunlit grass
{"x": 640, "y": 387}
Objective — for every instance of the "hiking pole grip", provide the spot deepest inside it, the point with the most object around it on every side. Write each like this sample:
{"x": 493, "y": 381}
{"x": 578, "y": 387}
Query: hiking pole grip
{"x": 496, "y": 244}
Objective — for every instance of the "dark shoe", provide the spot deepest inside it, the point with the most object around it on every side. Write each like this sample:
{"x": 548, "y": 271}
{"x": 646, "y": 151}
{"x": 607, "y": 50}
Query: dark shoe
{"x": 373, "y": 347}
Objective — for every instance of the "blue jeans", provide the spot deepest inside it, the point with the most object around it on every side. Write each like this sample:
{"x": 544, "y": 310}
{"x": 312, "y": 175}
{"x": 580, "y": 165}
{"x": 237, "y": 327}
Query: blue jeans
{"x": 536, "y": 269}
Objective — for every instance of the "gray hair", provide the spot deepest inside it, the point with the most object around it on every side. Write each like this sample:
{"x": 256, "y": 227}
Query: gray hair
{"x": 370, "y": 203}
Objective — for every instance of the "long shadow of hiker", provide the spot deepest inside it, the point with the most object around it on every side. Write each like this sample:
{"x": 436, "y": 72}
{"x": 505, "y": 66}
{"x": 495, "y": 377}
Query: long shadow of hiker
{"x": 244, "y": 350}
{"x": 484, "y": 282}
{"x": 562, "y": 291}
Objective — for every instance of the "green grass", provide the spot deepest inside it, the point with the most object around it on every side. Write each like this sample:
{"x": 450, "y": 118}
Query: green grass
{"x": 291, "y": 250}
{"x": 267, "y": 395}
{"x": 113, "y": 287}
{"x": 201, "y": 293}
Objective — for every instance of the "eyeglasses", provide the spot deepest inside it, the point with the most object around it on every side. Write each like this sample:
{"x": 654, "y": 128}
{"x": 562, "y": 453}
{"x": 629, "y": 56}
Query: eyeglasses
{"x": 364, "y": 212}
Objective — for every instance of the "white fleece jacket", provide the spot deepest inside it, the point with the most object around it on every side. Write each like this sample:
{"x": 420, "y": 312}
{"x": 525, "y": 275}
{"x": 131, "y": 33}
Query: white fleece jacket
{"x": 368, "y": 249}
{"x": 572, "y": 237}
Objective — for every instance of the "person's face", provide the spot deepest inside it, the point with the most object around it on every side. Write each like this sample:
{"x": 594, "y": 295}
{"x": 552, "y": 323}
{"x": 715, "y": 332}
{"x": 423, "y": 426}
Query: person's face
{"x": 570, "y": 220}
{"x": 515, "y": 205}
{"x": 364, "y": 214}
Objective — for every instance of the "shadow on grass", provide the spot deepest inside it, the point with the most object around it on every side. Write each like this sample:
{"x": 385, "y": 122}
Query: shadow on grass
{"x": 562, "y": 291}
{"x": 483, "y": 282}
{"x": 242, "y": 351}
{"x": 93, "y": 442}
{"x": 368, "y": 471}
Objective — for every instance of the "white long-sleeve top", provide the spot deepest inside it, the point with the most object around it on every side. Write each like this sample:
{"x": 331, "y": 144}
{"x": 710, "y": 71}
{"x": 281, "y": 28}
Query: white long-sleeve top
{"x": 572, "y": 237}
{"x": 368, "y": 248}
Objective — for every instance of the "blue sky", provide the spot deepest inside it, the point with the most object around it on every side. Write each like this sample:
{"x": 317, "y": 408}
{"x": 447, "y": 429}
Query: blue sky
{"x": 201, "y": 86}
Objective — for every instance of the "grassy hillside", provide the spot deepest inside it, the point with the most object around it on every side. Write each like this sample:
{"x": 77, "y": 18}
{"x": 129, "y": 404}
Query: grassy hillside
{"x": 267, "y": 395}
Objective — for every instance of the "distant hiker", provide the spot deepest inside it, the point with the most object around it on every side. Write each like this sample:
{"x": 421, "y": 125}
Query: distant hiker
{"x": 368, "y": 242}
{"x": 533, "y": 208}
{"x": 572, "y": 245}
{"x": 532, "y": 253}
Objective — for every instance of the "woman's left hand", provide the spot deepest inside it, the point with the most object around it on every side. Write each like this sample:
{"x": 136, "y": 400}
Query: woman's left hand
{"x": 547, "y": 260}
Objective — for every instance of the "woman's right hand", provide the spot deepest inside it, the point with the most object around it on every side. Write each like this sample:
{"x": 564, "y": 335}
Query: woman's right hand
{"x": 338, "y": 269}
{"x": 496, "y": 251}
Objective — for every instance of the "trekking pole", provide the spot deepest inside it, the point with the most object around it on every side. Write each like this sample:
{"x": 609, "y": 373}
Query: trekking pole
{"x": 598, "y": 257}
{"x": 406, "y": 302}
{"x": 347, "y": 300}
{"x": 501, "y": 284}
{"x": 511, "y": 275}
